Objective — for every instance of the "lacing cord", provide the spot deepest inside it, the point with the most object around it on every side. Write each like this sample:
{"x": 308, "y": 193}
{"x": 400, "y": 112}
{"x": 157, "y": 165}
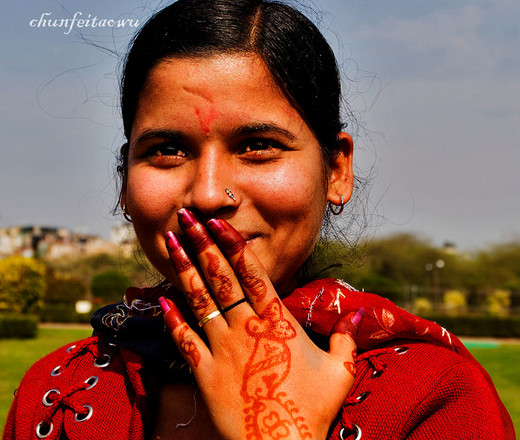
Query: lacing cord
{"x": 55, "y": 399}
{"x": 378, "y": 366}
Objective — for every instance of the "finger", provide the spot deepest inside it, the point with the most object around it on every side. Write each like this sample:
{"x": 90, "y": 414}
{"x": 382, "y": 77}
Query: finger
{"x": 342, "y": 339}
{"x": 247, "y": 267}
{"x": 188, "y": 342}
{"x": 191, "y": 280}
{"x": 218, "y": 274}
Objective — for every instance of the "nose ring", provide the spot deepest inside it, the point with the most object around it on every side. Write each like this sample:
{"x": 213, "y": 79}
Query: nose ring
{"x": 230, "y": 194}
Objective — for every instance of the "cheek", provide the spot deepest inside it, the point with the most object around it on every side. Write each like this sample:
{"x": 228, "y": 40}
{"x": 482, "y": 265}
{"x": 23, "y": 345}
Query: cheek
{"x": 294, "y": 193}
{"x": 148, "y": 196}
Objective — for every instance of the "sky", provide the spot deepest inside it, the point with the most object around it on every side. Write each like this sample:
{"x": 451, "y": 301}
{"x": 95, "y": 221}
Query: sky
{"x": 434, "y": 88}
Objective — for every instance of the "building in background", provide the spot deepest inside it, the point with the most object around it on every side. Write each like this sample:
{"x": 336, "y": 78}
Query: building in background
{"x": 54, "y": 242}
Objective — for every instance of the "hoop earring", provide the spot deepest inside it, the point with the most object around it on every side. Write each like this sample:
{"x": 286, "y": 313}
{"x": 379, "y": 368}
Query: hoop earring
{"x": 125, "y": 214}
{"x": 341, "y": 206}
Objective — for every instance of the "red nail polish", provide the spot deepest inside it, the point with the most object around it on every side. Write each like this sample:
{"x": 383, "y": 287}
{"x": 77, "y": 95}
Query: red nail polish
{"x": 186, "y": 218}
{"x": 215, "y": 226}
{"x": 172, "y": 242}
{"x": 356, "y": 319}
{"x": 165, "y": 307}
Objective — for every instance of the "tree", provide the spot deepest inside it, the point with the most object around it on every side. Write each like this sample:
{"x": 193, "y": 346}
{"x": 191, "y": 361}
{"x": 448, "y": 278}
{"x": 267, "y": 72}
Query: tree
{"x": 21, "y": 284}
{"x": 63, "y": 289}
{"x": 109, "y": 286}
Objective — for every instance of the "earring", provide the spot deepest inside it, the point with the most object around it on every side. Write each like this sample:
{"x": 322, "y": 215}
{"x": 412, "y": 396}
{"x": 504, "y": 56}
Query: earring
{"x": 125, "y": 213}
{"x": 341, "y": 206}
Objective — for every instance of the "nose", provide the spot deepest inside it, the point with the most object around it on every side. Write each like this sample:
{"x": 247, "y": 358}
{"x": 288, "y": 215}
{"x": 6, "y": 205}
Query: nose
{"x": 211, "y": 193}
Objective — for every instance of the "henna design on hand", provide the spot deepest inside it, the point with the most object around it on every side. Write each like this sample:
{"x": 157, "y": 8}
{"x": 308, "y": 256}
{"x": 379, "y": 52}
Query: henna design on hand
{"x": 188, "y": 346}
{"x": 351, "y": 366}
{"x": 266, "y": 370}
{"x": 225, "y": 285}
{"x": 198, "y": 297}
{"x": 255, "y": 286}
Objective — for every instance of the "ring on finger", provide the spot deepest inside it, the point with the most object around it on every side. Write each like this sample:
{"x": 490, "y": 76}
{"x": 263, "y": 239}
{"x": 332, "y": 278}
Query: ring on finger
{"x": 208, "y": 318}
{"x": 228, "y": 308}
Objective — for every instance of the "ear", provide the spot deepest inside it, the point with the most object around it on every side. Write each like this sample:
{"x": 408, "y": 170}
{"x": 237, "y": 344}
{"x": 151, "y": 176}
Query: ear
{"x": 341, "y": 180}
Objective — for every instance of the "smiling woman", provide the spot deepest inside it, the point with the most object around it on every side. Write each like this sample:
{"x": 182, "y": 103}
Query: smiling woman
{"x": 234, "y": 154}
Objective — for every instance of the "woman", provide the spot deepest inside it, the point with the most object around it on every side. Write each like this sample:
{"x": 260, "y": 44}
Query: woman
{"x": 234, "y": 151}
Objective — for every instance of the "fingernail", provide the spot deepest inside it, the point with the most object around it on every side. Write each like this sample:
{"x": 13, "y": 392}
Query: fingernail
{"x": 172, "y": 242}
{"x": 172, "y": 315}
{"x": 215, "y": 226}
{"x": 358, "y": 316}
{"x": 165, "y": 307}
{"x": 186, "y": 218}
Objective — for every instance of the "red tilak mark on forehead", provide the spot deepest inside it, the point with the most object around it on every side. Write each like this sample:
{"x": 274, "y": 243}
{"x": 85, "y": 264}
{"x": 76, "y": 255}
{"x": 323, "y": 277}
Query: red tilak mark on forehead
{"x": 205, "y": 119}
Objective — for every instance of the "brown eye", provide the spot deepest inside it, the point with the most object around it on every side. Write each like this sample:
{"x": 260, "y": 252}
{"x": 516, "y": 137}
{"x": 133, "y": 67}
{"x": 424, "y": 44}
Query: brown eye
{"x": 166, "y": 150}
{"x": 259, "y": 145}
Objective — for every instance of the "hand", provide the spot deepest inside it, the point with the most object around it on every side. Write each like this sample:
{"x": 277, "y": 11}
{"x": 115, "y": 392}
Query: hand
{"x": 260, "y": 375}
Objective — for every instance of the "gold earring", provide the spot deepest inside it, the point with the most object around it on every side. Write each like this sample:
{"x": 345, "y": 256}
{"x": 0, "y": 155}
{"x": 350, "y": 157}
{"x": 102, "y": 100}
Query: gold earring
{"x": 125, "y": 213}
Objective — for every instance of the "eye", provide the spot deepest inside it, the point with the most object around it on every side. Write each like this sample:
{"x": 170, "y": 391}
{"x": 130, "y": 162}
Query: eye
{"x": 165, "y": 149}
{"x": 260, "y": 146}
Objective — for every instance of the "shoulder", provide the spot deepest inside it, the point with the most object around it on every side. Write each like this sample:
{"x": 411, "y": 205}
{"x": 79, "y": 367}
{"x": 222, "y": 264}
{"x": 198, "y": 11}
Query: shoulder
{"x": 82, "y": 388}
{"x": 417, "y": 390}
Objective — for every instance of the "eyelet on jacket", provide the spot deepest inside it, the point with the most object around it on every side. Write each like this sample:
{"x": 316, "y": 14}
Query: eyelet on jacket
{"x": 57, "y": 371}
{"x": 45, "y": 399}
{"x": 401, "y": 350}
{"x": 91, "y": 381}
{"x": 362, "y": 396}
{"x": 100, "y": 363}
{"x": 79, "y": 417}
{"x": 343, "y": 433}
{"x": 43, "y": 429}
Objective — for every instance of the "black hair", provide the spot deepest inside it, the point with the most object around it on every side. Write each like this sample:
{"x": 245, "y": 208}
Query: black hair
{"x": 298, "y": 57}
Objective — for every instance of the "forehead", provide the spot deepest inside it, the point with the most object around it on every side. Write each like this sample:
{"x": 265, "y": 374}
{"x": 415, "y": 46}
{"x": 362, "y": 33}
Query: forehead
{"x": 232, "y": 82}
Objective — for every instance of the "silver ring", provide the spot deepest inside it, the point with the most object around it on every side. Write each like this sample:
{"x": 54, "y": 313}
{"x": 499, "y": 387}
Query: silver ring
{"x": 341, "y": 206}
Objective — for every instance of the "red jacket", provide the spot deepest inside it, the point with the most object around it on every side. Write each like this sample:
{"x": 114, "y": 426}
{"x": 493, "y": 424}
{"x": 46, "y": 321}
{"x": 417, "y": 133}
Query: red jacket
{"x": 414, "y": 380}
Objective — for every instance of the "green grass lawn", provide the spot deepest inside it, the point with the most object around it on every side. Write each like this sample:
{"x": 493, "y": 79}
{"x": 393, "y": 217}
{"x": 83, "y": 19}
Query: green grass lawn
{"x": 16, "y": 356}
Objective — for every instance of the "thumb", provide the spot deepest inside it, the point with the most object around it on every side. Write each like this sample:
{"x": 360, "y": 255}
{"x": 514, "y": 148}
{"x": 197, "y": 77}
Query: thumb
{"x": 343, "y": 337}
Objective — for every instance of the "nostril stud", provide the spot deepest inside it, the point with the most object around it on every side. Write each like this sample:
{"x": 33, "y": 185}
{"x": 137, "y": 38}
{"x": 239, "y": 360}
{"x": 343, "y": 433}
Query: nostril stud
{"x": 230, "y": 194}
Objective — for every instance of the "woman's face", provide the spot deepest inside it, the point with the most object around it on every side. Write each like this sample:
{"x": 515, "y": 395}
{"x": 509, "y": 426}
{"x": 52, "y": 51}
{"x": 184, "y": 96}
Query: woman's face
{"x": 204, "y": 125}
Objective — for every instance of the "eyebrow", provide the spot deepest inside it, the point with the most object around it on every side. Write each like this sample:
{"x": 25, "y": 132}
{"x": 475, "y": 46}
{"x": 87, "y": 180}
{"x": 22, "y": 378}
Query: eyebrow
{"x": 243, "y": 130}
{"x": 249, "y": 129}
{"x": 158, "y": 133}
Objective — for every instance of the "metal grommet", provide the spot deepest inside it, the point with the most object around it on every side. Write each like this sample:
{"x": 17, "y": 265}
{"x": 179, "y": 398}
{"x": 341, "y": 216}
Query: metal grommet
{"x": 100, "y": 364}
{"x": 80, "y": 417}
{"x": 356, "y": 430}
{"x": 72, "y": 347}
{"x": 45, "y": 400}
{"x": 46, "y": 427}
{"x": 57, "y": 371}
{"x": 362, "y": 396}
{"x": 377, "y": 373}
{"x": 91, "y": 381}
{"x": 401, "y": 350}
